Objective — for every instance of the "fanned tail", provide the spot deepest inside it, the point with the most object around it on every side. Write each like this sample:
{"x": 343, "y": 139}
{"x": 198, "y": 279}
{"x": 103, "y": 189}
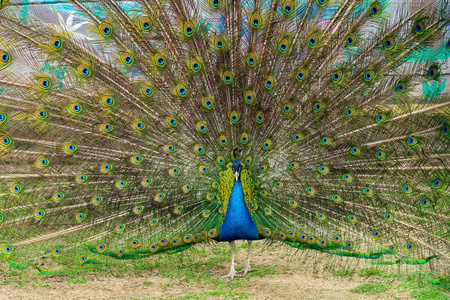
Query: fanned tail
{"x": 118, "y": 122}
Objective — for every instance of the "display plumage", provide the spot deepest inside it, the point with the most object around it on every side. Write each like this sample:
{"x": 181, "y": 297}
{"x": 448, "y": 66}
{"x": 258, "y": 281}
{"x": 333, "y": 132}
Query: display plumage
{"x": 142, "y": 127}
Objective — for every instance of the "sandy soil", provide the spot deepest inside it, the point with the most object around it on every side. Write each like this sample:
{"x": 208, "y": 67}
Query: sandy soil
{"x": 297, "y": 278}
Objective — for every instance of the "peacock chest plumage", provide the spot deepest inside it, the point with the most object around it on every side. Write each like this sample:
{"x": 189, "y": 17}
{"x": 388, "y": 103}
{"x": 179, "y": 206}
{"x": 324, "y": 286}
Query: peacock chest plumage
{"x": 132, "y": 128}
{"x": 238, "y": 223}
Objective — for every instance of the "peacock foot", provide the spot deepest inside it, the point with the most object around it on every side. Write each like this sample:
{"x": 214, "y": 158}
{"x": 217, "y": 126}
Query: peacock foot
{"x": 246, "y": 270}
{"x": 231, "y": 274}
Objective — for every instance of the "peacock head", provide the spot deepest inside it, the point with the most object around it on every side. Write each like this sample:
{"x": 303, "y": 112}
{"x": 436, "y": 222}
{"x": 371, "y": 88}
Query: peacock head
{"x": 237, "y": 168}
{"x": 237, "y": 165}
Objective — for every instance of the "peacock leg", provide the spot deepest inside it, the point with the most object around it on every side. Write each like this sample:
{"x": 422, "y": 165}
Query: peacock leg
{"x": 248, "y": 267}
{"x": 232, "y": 270}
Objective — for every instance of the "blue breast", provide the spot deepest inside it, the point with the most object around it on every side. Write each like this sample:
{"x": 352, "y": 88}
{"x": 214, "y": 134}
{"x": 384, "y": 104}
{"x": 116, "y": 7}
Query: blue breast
{"x": 238, "y": 223}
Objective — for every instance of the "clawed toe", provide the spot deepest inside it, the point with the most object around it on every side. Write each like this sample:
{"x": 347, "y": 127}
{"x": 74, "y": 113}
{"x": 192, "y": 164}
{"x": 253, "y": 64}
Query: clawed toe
{"x": 246, "y": 270}
{"x": 231, "y": 275}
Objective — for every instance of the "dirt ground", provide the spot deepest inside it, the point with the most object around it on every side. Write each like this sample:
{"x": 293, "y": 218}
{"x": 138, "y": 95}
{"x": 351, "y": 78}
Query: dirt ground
{"x": 297, "y": 277}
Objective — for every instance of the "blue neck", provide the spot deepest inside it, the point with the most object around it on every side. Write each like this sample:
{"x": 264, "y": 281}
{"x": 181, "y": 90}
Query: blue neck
{"x": 238, "y": 223}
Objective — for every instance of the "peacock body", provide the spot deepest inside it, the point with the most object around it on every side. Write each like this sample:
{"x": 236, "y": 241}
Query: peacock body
{"x": 141, "y": 127}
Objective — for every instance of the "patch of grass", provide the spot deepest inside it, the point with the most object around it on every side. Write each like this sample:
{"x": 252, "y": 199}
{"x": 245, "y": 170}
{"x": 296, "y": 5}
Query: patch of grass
{"x": 429, "y": 294}
{"x": 165, "y": 286}
{"x": 148, "y": 282}
{"x": 263, "y": 271}
{"x": 421, "y": 285}
{"x": 76, "y": 280}
{"x": 208, "y": 294}
{"x": 189, "y": 273}
{"x": 344, "y": 272}
{"x": 22, "y": 282}
{"x": 233, "y": 284}
{"x": 39, "y": 283}
{"x": 214, "y": 293}
{"x": 370, "y": 272}
{"x": 14, "y": 272}
{"x": 426, "y": 286}
{"x": 371, "y": 288}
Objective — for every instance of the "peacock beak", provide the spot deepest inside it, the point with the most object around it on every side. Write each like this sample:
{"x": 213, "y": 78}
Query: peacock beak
{"x": 236, "y": 175}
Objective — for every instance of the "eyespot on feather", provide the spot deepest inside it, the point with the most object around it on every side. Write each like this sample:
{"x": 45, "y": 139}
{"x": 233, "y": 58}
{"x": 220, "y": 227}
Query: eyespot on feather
{"x": 159, "y": 60}
{"x": 269, "y": 82}
{"x": 146, "y": 181}
{"x": 127, "y": 59}
{"x": 419, "y": 27}
{"x": 351, "y": 40}
{"x": 288, "y": 7}
{"x": 181, "y": 90}
{"x": 107, "y": 101}
{"x": 145, "y": 23}
{"x": 301, "y": 75}
{"x": 105, "y": 29}
{"x": 40, "y": 114}
{"x": 5, "y": 141}
{"x": 5, "y": 58}
{"x": 216, "y": 4}
{"x": 283, "y": 46}
{"x": 220, "y": 43}
{"x": 227, "y": 77}
{"x": 313, "y": 41}
{"x": 375, "y": 9}
{"x": 188, "y": 29}
{"x": 84, "y": 71}
{"x": 252, "y": 59}
{"x": 106, "y": 168}
{"x": 255, "y": 21}
{"x": 259, "y": 117}
{"x": 75, "y": 108}
{"x": 195, "y": 65}
{"x": 44, "y": 83}
{"x": 234, "y": 117}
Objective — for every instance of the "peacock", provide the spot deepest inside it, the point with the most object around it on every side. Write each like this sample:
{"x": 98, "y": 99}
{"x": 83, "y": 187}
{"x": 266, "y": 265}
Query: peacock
{"x": 134, "y": 128}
